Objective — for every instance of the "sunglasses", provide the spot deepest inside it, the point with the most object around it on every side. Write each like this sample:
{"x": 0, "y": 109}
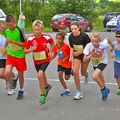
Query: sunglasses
{"x": 117, "y": 36}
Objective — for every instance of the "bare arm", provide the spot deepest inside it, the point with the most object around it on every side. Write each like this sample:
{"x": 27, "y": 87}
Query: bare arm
{"x": 15, "y": 42}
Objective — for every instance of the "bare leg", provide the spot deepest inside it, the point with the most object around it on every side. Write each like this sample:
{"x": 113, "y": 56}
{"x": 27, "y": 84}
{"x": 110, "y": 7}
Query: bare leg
{"x": 60, "y": 75}
{"x": 96, "y": 76}
{"x": 76, "y": 67}
{"x": 8, "y": 71}
{"x": 21, "y": 79}
{"x": 41, "y": 78}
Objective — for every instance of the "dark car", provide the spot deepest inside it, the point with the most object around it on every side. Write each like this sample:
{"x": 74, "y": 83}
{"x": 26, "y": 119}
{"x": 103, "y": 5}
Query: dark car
{"x": 109, "y": 16}
{"x": 63, "y": 21}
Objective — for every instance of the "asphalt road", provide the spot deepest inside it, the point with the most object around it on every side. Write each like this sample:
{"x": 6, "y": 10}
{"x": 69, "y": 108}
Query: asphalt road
{"x": 61, "y": 108}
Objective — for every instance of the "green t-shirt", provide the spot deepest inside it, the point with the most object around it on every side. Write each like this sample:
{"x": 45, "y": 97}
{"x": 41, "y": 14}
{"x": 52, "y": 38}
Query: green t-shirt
{"x": 13, "y": 49}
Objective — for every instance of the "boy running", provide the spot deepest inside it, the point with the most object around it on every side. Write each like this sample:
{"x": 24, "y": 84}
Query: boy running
{"x": 115, "y": 53}
{"x": 15, "y": 54}
{"x": 96, "y": 51}
{"x": 37, "y": 44}
{"x": 3, "y": 56}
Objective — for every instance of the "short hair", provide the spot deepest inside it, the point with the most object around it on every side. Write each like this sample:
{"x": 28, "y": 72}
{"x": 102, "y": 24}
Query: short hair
{"x": 10, "y": 18}
{"x": 62, "y": 33}
{"x": 38, "y": 23}
{"x": 75, "y": 23}
{"x": 117, "y": 32}
{"x": 96, "y": 35}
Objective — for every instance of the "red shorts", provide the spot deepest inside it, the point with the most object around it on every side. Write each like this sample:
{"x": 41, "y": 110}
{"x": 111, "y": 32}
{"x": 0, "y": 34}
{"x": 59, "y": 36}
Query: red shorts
{"x": 19, "y": 63}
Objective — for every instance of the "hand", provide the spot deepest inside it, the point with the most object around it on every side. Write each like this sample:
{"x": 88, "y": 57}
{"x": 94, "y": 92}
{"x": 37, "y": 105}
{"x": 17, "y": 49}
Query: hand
{"x": 112, "y": 55}
{"x": 4, "y": 51}
{"x": 71, "y": 59}
{"x": 50, "y": 55}
{"x": 116, "y": 48}
{"x": 9, "y": 40}
{"x": 63, "y": 60}
{"x": 33, "y": 47}
{"x": 76, "y": 53}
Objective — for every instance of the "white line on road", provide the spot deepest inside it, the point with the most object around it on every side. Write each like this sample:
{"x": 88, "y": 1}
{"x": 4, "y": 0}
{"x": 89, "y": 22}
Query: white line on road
{"x": 56, "y": 80}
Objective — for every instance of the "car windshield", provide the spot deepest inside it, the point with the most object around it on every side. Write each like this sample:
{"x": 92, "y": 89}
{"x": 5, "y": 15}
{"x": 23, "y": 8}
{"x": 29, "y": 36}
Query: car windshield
{"x": 57, "y": 17}
{"x": 115, "y": 18}
{"x": 1, "y": 15}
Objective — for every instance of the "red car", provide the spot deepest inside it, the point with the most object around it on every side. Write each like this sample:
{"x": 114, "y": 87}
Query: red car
{"x": 63, "y": 21}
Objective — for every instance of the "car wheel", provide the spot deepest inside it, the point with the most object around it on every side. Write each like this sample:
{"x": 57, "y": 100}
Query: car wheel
{"x": 67, "y": 29}
{"x": 88, "y": 29}
{"x": 55, "y": 30}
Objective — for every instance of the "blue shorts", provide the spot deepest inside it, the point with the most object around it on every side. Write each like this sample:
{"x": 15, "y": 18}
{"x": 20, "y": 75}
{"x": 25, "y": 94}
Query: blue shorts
{"x": 116, "y": 70}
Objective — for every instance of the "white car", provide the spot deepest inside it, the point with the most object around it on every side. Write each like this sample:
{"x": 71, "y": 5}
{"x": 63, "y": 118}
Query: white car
{"x": 2, "y": 15}
{"x": 112, "y": 24}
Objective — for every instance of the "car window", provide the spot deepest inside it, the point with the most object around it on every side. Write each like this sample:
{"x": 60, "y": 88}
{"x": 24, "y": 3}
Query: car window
{"x": 79, "y": 18}
{"x": 71, "y": 17}
{"x": 57, "y": 17}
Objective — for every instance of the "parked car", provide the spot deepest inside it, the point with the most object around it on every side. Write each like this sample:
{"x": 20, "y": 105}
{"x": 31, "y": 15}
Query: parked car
{"x": 112, "y": 24}
{"x": 109, "y": 16}
{"x": 2, "y": 15}
{"x": 63, "y": 21}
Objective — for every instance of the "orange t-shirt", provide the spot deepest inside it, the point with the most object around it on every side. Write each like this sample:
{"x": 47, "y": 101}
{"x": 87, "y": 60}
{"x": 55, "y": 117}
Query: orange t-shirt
{"x": 62, "y": 53}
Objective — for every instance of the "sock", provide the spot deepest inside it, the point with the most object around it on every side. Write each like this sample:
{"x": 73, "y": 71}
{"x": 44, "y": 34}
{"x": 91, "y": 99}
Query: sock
{"x": 67, "y": 90}
{"x": 78, "y": 91}
{"x": 21, "y": 89}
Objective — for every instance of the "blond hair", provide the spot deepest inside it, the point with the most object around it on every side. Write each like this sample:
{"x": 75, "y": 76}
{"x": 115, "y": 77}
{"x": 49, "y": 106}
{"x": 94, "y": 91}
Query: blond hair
{"x": 96, "y": 35}
{"x": 38, "y": 23}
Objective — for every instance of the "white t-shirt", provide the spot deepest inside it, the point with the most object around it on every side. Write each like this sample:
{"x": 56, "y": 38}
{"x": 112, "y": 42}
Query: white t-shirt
{"x": 101, "y": 49}
{"x": 2, "y": 44}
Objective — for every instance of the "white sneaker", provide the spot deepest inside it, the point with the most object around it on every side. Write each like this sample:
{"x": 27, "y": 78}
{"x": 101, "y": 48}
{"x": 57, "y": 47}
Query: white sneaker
{"x": 87, "y": 77}
{"x": 10, "y": 92}
{"x": 78, "y": 96}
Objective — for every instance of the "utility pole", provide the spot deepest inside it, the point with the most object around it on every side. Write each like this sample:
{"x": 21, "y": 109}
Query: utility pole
{"x": 20, "y": 6}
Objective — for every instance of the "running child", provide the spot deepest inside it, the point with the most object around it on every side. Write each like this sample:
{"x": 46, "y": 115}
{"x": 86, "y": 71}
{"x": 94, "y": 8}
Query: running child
{"x": 78, "y": 40}
{"x": 37, "y": 44}
{"x": 3, "y": 55}
{"x": 96, "y": 51}
{"x": 62, "y": 50}
{"x": 115, "y": 53}
{"x": 15, "y": 54}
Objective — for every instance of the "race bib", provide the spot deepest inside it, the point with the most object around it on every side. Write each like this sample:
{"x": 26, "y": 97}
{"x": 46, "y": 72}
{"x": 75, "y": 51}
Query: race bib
{"x": 60, "y": 54}
{"x": 78, "y": 47}
{"x": 117, "y": 53}
{"x": 96, "y": 61}
{"x": 0, "y": 51}
{"x": 39, "y": 55}
{"x": 14, "y": 47}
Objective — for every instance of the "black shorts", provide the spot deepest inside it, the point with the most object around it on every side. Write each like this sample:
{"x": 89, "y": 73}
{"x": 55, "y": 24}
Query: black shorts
{"x": 100, "y": 66}
{"x": 66, "y": 70}
{"x": 2, "y": 63}
{"x": 42, "y": 66}
{"x": 80, "y": 57}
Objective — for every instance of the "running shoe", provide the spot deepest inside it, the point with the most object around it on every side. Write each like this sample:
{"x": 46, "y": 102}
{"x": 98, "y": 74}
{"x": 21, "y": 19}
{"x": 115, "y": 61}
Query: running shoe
{"x": 42, "y": 99}
{"x": 14, "y": 82}
{"x": 20, "y": 95}
{"x": 105, "y": 94}
{"x": 65, "y": 93}
{"x": 118, "y": 91}
{"x": 46, "y": 90}
{"x": 78, "y": 96}
{"x": 11, "y": 92}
